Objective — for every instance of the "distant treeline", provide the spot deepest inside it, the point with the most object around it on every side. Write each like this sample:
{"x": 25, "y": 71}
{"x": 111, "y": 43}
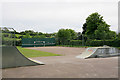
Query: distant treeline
{"x": 96, "y": 32}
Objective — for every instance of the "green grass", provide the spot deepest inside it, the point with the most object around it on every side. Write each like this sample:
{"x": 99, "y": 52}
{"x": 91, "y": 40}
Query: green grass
{"x": 35, "y": 53}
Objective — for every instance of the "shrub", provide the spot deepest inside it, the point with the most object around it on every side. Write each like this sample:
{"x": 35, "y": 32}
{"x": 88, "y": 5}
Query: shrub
{"x": 114, "y": 43}
{"x": 75, "y": 42}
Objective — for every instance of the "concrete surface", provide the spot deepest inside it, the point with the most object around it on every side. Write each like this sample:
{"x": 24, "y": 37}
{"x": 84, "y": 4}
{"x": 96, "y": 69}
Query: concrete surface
{"x": 93, "y": 52}
{"x": 11, "y": 57}
{"x": 66, "y": 66}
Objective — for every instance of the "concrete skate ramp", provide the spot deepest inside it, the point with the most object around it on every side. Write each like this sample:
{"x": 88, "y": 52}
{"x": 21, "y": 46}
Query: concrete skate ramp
{"x": 11, "y": 57}
{"x": 93, "y": 52}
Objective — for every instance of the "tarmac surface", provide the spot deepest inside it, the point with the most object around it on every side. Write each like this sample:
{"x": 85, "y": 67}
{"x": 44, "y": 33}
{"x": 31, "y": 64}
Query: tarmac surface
{"x": 66, "y": 66}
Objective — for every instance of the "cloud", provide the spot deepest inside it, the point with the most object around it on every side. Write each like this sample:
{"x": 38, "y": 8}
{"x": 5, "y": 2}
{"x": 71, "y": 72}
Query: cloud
{"x": 49, "y": 16}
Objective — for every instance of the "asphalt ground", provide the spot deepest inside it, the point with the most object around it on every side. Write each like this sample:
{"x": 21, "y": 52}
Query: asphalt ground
{"x": 66, "y": 66}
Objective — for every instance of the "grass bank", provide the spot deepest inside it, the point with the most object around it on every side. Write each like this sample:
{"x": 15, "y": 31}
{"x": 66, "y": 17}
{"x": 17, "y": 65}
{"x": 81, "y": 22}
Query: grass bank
{"x": 35, "y": 53}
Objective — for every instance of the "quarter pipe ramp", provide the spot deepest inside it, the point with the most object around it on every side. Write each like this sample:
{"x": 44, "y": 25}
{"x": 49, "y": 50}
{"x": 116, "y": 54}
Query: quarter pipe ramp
{"x": 11, "y": 57}
{"x": 99, "y": 52}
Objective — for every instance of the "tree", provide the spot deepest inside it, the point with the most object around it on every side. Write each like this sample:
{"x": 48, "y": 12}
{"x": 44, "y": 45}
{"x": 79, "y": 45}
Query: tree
{"x": 30, "y": 32}
{"x": 39, "y": 36}
{"x": 92, "y": 23}
{"x": 119, "y": 36}
{"x": 73, "y": 34}
{"x": 79, "y": 36}
{"x": 101, "y": 32}
{"x": 111, "y": 35}
{"x": 47, "y": 35}
{"x": 27, "y": 35}
{"x": 63, "y": 35}
{"x": 84, "y": 28}
{"x": 5, "y": 29}
{"x": 40, "y": 33}
{"x": 22, "y": 33}
{"x": 53, "y": 35}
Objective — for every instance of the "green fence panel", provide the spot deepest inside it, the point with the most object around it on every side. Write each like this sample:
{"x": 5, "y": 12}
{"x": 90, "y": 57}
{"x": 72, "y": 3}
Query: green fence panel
{"x": 38, "y": 42}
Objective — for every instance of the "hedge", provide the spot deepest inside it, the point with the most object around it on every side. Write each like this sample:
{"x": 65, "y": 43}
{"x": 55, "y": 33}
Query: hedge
{"x": 75, "y": 42}
{"x": 114, "y": 43}
{"x": 99, "y": 43}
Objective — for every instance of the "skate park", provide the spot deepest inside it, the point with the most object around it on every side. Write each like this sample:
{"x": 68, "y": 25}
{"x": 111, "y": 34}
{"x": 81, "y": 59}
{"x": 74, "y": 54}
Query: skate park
{"x": 67, "y": 66}
{"x": 91, "y": 53}
{"x": 73, "y": 62}
{"x": 68, "y": 39}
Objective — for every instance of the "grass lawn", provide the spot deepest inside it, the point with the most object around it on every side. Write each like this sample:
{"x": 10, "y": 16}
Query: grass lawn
{"x": 35, "y": 53}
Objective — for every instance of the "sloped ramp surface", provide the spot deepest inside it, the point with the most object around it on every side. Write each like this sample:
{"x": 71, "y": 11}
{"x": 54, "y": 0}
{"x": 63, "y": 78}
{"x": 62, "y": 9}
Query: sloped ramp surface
{"x": 11, "y": 57}
{"x": 87, "y": 53}
{"x": 99, "y": 52}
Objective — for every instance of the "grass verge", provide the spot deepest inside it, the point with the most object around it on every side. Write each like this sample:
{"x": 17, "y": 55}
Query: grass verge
{"x": 35, "y": 53}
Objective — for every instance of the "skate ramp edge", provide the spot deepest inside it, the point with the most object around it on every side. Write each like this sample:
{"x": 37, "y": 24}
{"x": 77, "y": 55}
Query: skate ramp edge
{"x": 12, "y": 57}
{"x": 94, "y": 52}
{"x": 87, "y": 53}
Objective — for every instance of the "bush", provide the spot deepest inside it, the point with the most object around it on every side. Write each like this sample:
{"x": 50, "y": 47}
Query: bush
{"x": 75, "y": 42}
{"x": 99, "y": 43}
{"x": 114, "y": 43}
{"x": 18, "y": 43}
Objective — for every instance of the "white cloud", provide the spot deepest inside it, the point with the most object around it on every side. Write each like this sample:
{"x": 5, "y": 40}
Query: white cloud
{"x": 51, "y": 15}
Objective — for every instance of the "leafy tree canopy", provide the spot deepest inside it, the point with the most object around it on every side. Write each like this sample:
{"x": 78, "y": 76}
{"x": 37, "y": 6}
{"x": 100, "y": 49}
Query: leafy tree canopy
{"x": 65, "y": 35}
{"x": 95, "y": 27}
{"x": 27, "y": 35}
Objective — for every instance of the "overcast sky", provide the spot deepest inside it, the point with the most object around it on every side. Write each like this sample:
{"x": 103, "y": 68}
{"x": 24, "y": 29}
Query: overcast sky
{"x": 51, "y": 15}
